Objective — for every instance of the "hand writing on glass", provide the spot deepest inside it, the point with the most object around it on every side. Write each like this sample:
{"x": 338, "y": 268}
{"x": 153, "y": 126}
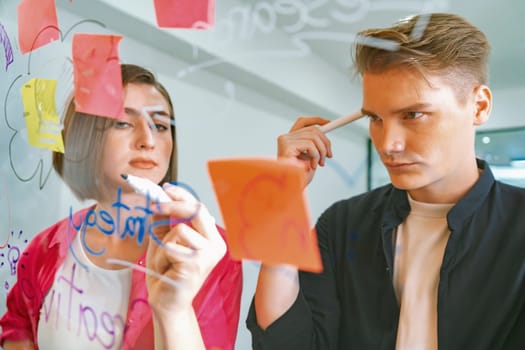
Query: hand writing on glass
{"x": 188, "y": 253}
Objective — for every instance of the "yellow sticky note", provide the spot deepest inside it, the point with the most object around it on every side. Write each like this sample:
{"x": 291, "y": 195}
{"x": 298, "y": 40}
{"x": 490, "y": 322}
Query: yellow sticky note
{"x": 43, "y": 123}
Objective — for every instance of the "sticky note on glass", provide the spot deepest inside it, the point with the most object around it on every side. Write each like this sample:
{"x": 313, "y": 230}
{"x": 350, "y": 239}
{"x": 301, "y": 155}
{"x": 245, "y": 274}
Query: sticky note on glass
{"x": 97, "y": 75}
{"x": 40, "y": 114}
{"x": 37, "y": 24}
{"x": 198, "y": 14}
{"x": 264, "y": 211}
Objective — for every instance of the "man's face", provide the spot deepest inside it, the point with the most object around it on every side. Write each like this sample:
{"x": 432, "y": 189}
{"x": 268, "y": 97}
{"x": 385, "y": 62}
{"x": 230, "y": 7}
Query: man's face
{"x": 422, "y": 132}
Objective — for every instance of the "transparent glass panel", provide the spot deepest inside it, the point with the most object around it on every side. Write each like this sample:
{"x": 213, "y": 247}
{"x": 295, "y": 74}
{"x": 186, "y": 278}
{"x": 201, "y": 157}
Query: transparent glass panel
{"x": 503, "y": 149}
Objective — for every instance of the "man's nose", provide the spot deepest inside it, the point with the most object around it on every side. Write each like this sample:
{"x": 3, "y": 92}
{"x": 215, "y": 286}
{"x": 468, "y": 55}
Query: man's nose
{"x": 393, "y": 138}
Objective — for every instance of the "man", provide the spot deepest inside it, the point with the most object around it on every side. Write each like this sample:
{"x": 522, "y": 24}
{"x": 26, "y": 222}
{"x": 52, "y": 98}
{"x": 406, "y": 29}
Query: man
{"x": 438, "y": 262}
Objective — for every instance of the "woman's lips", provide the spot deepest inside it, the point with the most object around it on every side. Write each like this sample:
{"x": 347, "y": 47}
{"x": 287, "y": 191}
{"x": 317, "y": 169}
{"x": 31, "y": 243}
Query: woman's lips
{"x": 143, "y": 163}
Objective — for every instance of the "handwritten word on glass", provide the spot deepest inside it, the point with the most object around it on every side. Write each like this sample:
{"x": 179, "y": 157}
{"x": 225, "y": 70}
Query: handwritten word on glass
{"x": 264, "y": 210}
{"x": 37, "y": 24}
{"x": 97, "y": 75}
{"x": 198, "y": 14}
{"x": 8, "y": 49}
{"x": 40, "y": 114}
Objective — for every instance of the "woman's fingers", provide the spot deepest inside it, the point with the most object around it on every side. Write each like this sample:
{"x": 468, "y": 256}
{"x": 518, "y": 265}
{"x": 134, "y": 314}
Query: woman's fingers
{"x": 176, "y": 247}
{"x": 188, "y": 242}
{"x": 186, "y": 236}
{"x": 186, "y": 209}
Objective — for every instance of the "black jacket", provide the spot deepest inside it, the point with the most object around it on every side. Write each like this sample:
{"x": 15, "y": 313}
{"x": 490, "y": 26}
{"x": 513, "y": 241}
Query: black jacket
{"x": 352, "y": 303}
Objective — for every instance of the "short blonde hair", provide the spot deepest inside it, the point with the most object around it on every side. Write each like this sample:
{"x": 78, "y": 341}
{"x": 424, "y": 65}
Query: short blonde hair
{"x": 448, "y": 45}
{"x": 84, "y": 139}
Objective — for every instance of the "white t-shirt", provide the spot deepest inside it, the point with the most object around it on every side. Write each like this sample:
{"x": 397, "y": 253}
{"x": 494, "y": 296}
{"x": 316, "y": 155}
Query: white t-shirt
{"x": 86, "y": 306}
{"x": 420, "y": 245}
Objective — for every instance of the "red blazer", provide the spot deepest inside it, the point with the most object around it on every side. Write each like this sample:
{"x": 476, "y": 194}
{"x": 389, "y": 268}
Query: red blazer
{"x": 216, "y": 305}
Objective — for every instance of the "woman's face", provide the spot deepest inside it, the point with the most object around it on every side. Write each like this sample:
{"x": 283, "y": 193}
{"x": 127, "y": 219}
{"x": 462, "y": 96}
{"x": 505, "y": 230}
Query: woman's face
{"x": 140, "y": 143}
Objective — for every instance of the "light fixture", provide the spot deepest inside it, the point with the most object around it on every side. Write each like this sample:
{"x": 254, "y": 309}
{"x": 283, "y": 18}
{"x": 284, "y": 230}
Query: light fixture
{"x": 518, "y": 163}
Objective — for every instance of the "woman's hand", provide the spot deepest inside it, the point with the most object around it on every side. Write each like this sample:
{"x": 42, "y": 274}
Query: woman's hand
{"x": 187, "y": 254}
{"x": 305, "y": 143}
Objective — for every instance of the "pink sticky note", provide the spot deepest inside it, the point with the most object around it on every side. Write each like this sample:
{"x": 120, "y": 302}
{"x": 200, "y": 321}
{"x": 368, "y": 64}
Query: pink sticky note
{"x": 37, "y": 24}
{"x": 264, "y": 211}
{"x": 185, "y": 13}
{"x": 97, "y": 75}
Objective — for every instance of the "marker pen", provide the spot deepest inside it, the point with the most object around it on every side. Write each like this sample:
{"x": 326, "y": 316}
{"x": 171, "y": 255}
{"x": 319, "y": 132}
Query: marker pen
{"x": 334, "y": 124}
{"x": 147, "y": 187}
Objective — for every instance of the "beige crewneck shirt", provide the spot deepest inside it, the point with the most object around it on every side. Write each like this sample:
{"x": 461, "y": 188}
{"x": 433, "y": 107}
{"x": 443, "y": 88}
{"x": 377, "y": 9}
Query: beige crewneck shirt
{"x": 420, "y": 246}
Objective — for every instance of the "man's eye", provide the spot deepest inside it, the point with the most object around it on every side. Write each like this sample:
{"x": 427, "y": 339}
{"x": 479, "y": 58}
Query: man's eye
{"x": 414, "y": 115}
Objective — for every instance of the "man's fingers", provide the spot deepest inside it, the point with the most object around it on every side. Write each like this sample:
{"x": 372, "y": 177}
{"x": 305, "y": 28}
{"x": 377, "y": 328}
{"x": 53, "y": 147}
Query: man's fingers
{"x": 310, "y": 141}
{"x": 303, "y": 122}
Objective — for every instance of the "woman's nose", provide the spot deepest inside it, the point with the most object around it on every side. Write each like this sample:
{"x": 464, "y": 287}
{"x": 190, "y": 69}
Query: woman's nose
{"x": 144, "y": 135}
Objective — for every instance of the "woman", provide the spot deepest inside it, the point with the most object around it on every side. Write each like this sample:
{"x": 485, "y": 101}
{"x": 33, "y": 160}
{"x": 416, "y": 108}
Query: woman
{"x": 92, "y": 280}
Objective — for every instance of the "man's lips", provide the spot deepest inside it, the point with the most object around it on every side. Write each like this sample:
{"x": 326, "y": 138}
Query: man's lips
{"x": 398, "y": 165}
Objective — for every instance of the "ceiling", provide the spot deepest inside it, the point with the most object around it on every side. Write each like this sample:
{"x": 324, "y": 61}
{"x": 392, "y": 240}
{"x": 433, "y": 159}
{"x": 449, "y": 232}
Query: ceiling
{"x": 298, "y": 51}
{"x": 294, "y": 49}
{"x": 501, "y": 21}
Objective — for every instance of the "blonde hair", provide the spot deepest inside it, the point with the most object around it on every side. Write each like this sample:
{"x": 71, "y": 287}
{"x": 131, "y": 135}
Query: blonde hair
{"x": 84, "y": 139}
{"x": 438, "y": 43}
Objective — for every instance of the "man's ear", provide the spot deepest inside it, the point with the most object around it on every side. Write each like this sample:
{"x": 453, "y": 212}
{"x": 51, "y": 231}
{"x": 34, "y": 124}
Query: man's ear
{"x": 482, "y": 104}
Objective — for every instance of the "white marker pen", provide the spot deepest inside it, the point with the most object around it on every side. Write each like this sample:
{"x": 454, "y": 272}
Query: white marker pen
{"x": 147, "y": 187}
{"x": 334, "y": 124}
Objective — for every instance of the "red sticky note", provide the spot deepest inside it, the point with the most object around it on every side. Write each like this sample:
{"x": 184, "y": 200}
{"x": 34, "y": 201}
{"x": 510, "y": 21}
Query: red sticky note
{"x": 37, "y": 24}
{"x": 97, "y": 75}
{"x": 264, "y": 210}
{"x": 185, "y": 13}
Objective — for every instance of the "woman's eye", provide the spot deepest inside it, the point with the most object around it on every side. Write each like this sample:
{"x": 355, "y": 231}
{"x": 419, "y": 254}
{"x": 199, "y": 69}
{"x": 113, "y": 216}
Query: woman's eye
{"x": 120, "y": 125}
{"x": 373, "y": 118}
{"x": 161, "y": 127}
{"x": 414, "y": 115}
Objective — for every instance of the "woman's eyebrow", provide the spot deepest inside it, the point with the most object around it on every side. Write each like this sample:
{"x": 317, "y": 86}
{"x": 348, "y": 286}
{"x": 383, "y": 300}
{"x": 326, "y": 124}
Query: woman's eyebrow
{"x": 132, "y": 111}
{"x": 150, "y": 110}
{"x": 157, "y": 112}
{"x": 150, "y": 113}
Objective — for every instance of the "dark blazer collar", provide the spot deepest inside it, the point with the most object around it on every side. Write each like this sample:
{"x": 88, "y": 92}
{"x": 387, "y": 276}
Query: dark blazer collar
{"x": 397, "y": 208}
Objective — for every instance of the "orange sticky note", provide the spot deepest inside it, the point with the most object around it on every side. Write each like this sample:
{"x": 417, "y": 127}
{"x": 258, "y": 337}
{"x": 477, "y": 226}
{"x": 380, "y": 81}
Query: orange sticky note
{"x": 199, "y": 14}
{"x": 37, "y": 24}
{"x": 264, "y": 210}
{"x": 97, "y": 75}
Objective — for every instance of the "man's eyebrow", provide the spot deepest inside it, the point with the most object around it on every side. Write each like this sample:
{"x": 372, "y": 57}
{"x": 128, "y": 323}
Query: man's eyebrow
{"x": 412, "y": 108}
{"x": 368, "y": 113}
